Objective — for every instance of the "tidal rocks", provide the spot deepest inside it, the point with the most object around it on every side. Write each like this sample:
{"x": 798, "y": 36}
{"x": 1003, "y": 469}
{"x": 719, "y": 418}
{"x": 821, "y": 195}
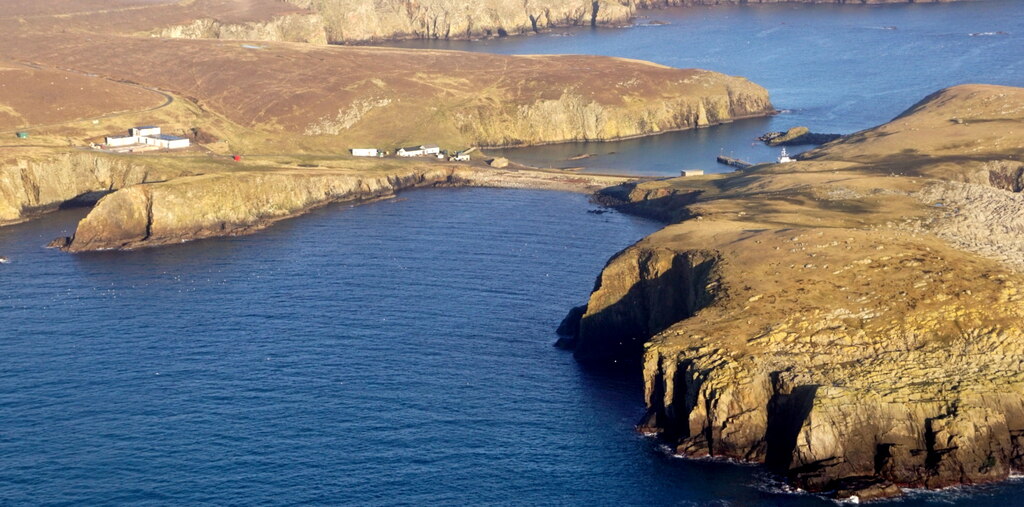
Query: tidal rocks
{"x": 796, "y": 136}
{"x": 498, "y": 163}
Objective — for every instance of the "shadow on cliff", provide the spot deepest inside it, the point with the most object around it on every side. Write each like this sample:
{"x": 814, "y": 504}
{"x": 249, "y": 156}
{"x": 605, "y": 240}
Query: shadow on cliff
{"x": 614, "y": 336}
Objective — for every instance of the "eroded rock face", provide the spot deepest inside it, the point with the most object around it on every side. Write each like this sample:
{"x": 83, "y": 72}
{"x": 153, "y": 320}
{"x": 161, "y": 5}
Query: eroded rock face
{"x": 30, "y": 186}
{"x": 360, "y": 20}
{"x": 641, "y": 292}
{"x": 861, "y": 327}
{"x": 306, "y": 28}
{"x": 233, "y": 203}
{"x": 227, "y": 204}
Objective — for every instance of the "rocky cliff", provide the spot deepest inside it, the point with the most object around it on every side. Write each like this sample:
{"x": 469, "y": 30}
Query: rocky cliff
{"x": 307, "y": 28}
{"x": 852, "y": 321}
{"x": 360, "y": 20}
{"x": 34, "y": 185}
{"x": 308, "y": 96}
{"x": 233, "y": 203}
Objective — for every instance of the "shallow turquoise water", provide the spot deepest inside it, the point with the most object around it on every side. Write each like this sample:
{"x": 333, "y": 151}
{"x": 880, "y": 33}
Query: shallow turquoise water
{"x": 835, "y": 69}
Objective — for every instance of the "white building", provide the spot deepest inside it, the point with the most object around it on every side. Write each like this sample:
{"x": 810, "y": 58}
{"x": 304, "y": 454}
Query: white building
{"x": 365, "y": 152}
{"x": 115, "y": 142}
{"x": 166, "y": 141}
{"x": 148, "y": 136}
{"x": 692, "y": 172}
{"x": 419, "y": 151}
{"x": 144, "y": 131}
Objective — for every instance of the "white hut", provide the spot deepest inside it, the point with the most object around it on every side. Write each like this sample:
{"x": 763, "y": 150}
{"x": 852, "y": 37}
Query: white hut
{"x": 365, "y": 152}
{"x": 419, "y": 151}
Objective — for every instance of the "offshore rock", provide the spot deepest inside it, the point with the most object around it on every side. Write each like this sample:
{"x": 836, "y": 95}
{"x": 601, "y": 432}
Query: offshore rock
{"x": 797, "y": 136}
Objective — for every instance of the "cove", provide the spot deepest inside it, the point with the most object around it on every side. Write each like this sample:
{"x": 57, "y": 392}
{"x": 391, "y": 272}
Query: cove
{"x": 832, "y": 68}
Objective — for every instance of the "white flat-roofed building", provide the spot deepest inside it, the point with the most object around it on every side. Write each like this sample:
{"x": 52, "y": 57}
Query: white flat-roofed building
{"x": 166, "y": 141}
{"x": 148, "y": 136}
{"x": 365, "y": 152}
{"x": 115, "y": 142}
{"x": 147, "y": 131}
{"x": 419, "y": 151}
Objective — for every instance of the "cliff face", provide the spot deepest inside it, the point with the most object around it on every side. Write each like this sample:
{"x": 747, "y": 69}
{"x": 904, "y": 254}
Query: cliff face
{"x": 29, "y": 186}
{"x": 359, "y": 20}
{"x": 329, "y": 97}
{"x": 233, "y": 203}
{"x": 307, "y": 28}
{"x": 577, "y": 115}
{"x": 852, "y": 320}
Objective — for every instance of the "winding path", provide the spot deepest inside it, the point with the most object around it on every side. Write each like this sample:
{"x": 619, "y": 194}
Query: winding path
{"x": 168, "y": 98}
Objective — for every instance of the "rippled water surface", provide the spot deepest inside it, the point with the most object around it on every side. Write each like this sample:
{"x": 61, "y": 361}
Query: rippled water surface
{"x": 835, "y": 69}
{"x": 393, "y": 353}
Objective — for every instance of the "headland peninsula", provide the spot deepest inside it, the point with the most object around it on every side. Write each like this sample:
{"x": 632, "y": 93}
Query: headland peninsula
{"x": 851, "y": 319}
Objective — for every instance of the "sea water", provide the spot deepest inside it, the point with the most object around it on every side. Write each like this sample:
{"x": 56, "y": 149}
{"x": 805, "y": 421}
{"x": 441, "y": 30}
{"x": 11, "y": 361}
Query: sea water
{"x": 833, "y": 68}
{"x": 398, "y": 352}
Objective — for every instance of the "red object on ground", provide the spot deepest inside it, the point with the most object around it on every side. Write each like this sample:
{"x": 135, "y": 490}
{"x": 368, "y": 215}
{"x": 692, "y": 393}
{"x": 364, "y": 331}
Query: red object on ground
{"x": 238, "y": 158}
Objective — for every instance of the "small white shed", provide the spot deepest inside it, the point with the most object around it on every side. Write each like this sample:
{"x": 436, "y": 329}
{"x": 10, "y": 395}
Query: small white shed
{"x": 115, "y": 142}
{"x": 365, "y": 152}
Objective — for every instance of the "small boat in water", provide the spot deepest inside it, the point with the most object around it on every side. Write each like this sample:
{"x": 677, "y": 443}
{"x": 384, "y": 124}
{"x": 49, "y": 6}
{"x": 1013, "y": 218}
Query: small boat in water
{"x": 4, "y": 260}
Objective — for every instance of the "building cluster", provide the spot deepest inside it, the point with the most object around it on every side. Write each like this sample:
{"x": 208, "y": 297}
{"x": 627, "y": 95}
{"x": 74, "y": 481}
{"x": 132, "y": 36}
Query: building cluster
{"x": 143, "y": 138}
{"x": 426, "y": 150}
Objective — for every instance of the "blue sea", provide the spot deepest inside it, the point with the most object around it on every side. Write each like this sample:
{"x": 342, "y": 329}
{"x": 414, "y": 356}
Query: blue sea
{"x": 832, "y": 68}
{"x": 395, "y": 353}
{"x": 400, "y": 352}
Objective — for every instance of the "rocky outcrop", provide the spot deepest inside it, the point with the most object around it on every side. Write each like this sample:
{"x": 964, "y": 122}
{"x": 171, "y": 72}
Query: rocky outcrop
{"x": 387, "y": 97}
{"x": 576, "y": 116}
{"x": 225, "y": 204}
{"x": 349, "y": 21}
{"x": 306, "y": 28}
{"x": 851, "y": 320}
{"x": 640, "y": 293}
{"x": 360, "y": 21}
{"x": 33, "y": 185}
{"x": 796, "y": 136}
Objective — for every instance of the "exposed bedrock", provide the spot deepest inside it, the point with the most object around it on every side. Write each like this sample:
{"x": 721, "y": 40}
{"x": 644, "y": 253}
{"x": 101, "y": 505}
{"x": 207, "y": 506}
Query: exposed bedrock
{"x": 860, "y": 329}
{"x": 852, "y": 387}
{"x": 306, "y": 28}
{"x": 225, "y": 204}
{"x": 639, "y": 293}
{"x": 31, "y": 186}
{"x": 361, "y": 20}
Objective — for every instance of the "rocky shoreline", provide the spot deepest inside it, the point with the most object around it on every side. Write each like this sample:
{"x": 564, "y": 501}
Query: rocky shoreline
{"x": 860, "y": 332}
{"x": 238, "y": 203}
{"x": 353, "y": 22}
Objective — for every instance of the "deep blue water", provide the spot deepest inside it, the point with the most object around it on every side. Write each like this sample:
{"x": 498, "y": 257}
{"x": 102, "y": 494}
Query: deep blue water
{"x": 835, "y": 69}
{"x": 394, "y": 353}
